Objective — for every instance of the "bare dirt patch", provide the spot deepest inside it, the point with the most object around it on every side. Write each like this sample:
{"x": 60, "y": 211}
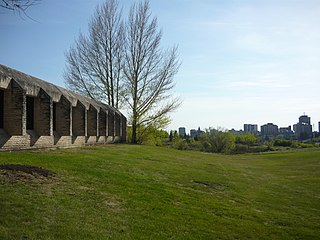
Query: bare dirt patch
{"x": 19, "y": 172}
{"x": 26, "y": 169}
{"x": 215, "y": 186}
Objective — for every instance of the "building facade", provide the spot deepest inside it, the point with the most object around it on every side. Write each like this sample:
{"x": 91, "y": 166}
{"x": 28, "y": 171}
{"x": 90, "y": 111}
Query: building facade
{"x": 194, "y": 132}
{"x": 303, "y": 129}
{"x": 250, "y": 128}
{"x": 269, "y": 129}
{"x": 35, "y": 113}
{"x": 182, "y": 131}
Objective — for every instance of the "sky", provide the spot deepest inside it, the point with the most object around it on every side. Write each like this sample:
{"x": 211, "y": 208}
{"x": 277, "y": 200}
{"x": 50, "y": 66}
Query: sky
{"x": 243, "y": 61}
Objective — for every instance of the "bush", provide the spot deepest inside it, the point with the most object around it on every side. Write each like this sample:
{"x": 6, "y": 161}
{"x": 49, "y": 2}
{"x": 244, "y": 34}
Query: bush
{"x": 217, "y": 141}
{"x": 149, "y": 136}
{"x": 195, "y": 145}
{"x": 180, "y": 144}
{"x": 246, "y": 139}
{"x": 240, "y": 148}
{"x": 282, "y": 143}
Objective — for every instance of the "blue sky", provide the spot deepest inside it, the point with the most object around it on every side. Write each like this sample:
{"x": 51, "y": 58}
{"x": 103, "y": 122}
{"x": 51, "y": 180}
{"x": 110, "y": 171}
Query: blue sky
{"x": 243, "y": 61}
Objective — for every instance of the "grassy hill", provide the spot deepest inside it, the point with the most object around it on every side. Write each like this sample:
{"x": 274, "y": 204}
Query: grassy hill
{"x": 139, "y": 192}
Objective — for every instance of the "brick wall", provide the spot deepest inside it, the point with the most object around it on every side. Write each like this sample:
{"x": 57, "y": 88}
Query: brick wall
{"x": 17, "y": 142}
{"x": 110, "y": 123}
{"x": 92, "y": 121}
{"x": 78, "y": 120}
{"x": 117, "y": 124}
{"x": 42, "y": 114}
{"x": 53, "y": 121}
{"x": 102, "y": 123}
{"x": 63, "y": 118}
{"x": 44, "y": 141}
{"x": 14, "y": 121}
{"x": 79, "y": 140}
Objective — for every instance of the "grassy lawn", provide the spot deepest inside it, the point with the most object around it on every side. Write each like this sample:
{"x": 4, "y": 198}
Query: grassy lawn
{"x": 139, "y": 192}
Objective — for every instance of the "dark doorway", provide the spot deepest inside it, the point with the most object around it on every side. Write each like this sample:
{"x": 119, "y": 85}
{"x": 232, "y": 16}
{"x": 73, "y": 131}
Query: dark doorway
{"x": 54, "y": 110}
{"x": 30, "y": 113}
{"x": 1, "y": 108}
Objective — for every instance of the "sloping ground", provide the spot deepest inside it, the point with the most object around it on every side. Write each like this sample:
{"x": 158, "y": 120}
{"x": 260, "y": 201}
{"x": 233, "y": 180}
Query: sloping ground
{"x": 138, "y": 192}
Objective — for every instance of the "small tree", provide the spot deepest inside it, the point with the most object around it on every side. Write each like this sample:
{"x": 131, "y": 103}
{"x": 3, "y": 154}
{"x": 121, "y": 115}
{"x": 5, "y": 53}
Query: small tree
{"x": 148, "y": 71}
{"x": 217, "y": 140}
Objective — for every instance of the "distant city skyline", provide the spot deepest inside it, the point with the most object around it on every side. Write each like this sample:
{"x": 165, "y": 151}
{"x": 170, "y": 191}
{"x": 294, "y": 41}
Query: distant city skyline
{"x": 253, "y": 128}
{"x": 242, "y": 61}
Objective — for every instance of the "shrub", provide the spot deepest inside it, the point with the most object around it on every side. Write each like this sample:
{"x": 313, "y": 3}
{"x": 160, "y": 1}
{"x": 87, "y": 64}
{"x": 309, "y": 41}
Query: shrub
{"x": 282, "y": 143}
{"x": 217, "y": 141}
{"x": 180, "y": 144}
{"x": 246, "y": 139}
{"x": 240, "y": 148}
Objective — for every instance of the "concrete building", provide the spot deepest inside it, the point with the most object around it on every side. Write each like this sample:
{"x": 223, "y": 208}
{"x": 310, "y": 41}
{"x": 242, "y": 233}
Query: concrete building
{"x": 269, "y": 129}
{"x": 194, "y": 132}
{"x": 182, "y": 132}
{"x": 236, "y": 132}
{"x": 303, "y": 129}
{"x": 35, "y": 113}
{"x": 286, "y": 132}
{"x": 251, "y": 128}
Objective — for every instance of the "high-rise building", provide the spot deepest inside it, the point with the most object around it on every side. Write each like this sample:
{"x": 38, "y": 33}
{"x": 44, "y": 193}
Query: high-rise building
{"x": 182, "y": 131}
{"x": 194, "y": 132}
{"x": 269, "y": 129}
{"x": 251, "y": 128}
{"x": 304, "y": 119}
{"x": 303, "y": 129}
{"x": 285, "y": 130}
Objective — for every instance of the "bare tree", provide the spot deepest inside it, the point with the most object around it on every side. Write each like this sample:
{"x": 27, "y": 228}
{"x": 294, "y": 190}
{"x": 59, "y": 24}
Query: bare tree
{"x": 121, "y": 63}
{"x": 20, "y": 6}
{"x": 148, "y": 71}
{"x": 94, "y": 61}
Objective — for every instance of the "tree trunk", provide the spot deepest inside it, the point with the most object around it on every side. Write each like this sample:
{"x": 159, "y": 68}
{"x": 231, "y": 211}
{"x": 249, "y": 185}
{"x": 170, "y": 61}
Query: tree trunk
{"x": 134, "y": 132}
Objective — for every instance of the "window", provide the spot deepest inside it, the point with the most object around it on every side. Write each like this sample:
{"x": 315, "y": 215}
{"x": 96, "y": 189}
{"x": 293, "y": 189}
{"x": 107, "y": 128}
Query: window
{"x": 1, "y": 108}
{"x": 54, "y": 116}
{"x": 30, "y": 113}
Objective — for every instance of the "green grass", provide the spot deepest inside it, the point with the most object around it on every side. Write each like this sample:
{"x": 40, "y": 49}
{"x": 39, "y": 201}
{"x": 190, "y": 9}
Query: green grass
{"x": 139, "y": 192}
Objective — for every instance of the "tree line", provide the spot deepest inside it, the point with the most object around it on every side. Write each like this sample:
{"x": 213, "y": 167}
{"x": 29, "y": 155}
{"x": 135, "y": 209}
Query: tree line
{"x": 222, "y": 141}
